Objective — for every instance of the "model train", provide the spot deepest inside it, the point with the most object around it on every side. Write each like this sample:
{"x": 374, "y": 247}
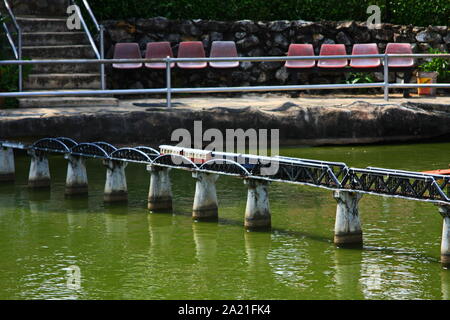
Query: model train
{"x": 197, "y": 156}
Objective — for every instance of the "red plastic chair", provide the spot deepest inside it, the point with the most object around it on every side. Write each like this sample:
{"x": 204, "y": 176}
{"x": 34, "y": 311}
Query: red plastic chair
{"x": 365, "y": 49}
{"x": 400, "y": 48}
{"x": 300, "y": 50}
{"x": 127, "y": 51}
{"x": 158, "y": 50}
{"x": 333, "y": 50}
{"x": 191, "y": 49}
{"x": 224, "y": 49}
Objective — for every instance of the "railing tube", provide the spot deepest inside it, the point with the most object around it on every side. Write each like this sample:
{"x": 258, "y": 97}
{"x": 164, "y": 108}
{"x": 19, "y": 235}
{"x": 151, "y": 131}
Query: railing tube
{"x": 89, "y": 10}
{"x": 19, "y": 36}
{"x": 169, "y": 82}
{"x": 386, "y": 77}
{"x": 102, "y": 56}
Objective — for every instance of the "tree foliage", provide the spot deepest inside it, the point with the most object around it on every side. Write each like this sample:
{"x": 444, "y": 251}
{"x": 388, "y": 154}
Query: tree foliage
{"x": 415, "y": 12}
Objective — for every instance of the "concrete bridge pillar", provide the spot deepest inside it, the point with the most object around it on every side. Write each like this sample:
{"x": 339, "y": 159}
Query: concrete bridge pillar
{"x": 7, "y": 168}
{"x": 39, "y": 176}
{"x": 116, "y": 182}
{"x": 160, "y": 192}
{"x": 205, "y": 202}
{"x": 347, "y": 229}
{"x": 257, "y": 212}
{"x": 445, "y": 244}
{"x": 76, "y": 180}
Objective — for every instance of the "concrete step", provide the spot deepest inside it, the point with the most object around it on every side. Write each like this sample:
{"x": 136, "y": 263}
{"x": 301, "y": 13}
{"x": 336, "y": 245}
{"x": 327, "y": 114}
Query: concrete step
{"x": 67, "y": 102}
{"x": 43, "y": 24}
{"x": 31, "y": 39}
{"x": 59, "y": 81}
{"x": 64, "y": 68}
{"x": 38, "y": 7}
{"x": 59, "y": 52}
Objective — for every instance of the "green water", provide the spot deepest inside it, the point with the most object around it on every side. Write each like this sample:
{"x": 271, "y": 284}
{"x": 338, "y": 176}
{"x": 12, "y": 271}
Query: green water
{"x": 124, "y": 252}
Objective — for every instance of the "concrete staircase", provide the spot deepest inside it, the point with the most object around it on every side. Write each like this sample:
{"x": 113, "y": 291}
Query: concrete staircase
{"x": 46, "y": 36}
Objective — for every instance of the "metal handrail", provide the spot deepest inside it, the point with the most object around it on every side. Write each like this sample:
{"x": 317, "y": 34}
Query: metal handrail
{"x": 86, "y": 30}
{"x": 223, "y": 59}
{"x": 16, "y": 50}
{"x": 91, "y": 14}
{"x": 168, "y": 90}
{"x": 10, "y": 39}
{"x": 99, "y": 52}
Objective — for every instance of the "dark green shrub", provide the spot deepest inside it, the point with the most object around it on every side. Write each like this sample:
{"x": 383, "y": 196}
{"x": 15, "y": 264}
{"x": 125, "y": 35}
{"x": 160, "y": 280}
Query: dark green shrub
{"x": 439, "y": 65}
{"x": 415, "y": 12}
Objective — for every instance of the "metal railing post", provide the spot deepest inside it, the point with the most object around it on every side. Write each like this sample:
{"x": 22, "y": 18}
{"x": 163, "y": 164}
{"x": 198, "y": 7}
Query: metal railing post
{"x": 20, "y": 58}
{"x": 102, "y": 55}
{"x": 386, "y": 77}
{"x": 169, "y": 82}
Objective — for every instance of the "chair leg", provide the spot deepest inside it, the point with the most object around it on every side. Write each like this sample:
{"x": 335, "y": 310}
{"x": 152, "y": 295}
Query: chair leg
{"x": 407, "y": 79}
{"x": 294, "y": 94}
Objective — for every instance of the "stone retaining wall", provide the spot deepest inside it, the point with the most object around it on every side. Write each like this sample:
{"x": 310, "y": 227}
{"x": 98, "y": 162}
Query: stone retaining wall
{"x": 257, "y": 39}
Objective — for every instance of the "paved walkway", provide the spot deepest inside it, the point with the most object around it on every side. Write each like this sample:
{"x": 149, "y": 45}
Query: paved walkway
{"x": 264, "y": 102}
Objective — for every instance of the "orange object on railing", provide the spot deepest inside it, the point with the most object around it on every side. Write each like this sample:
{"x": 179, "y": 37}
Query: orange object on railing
{"x": 443, "y": 171}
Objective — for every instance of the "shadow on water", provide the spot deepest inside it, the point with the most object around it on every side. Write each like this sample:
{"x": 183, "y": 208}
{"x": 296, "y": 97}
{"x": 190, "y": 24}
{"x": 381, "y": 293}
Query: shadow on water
{"x": 41, "y": 194}
{"x": 318, "y": 238}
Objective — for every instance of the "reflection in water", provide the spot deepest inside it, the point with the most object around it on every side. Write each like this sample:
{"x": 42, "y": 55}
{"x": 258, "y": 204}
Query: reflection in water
{"x": 259, "y": 276}
{"x": 76, "y": 212}
{"x": 205, "y": 238}
{"x": 38, "y": 200}
{"x": 348, "y": 273}
{"x": 371, "y": 277}
{"x": 257, "y": 247}
{"x": 161, "y": 228}
{"x": 445, "y": 281}
{"x": 116, "y": 221}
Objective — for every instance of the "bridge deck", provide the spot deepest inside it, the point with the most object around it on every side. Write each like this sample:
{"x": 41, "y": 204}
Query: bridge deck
{"x": 428, "y": 187}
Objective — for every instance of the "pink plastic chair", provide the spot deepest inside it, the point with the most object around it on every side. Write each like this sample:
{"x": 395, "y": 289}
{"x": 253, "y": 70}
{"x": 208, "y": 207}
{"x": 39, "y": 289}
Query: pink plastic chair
{"x": 333, "y": 50}
{"x": 127, "y": 51}
{"x": 300, "y": 50}
{"x": 191, "y": 49}
{"x": 365, "y": 49}
{"x": 158, "y": 50}
{"x": 400, "y": 48}
{"x": 224, "y": 49}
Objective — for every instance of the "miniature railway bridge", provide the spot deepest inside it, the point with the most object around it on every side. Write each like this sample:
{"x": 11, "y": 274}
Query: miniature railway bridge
{"x": 348, "y": 184}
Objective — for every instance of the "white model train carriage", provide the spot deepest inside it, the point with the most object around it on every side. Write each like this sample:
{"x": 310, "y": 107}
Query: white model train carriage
{"x": 170, "y": 150}
{"x": 195, "y": 155}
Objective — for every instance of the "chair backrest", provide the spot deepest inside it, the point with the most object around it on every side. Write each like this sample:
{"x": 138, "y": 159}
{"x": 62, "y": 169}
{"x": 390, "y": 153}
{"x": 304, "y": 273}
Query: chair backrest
{"x": 158, "y": 50}
{"x": 300, "y": 50}
{"x": 191, "y": 49}
{"x": 303, "y": 49}
{"x": 365, "y": 49}
{"x": 224, "y": 49}
{"x": 127, "y": 51}
{"x": 393, "y": 48}
{"x": 333, "y": 50}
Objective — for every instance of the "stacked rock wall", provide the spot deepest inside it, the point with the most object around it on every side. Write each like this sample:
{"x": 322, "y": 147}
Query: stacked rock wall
{"x": 257, "y": 38}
